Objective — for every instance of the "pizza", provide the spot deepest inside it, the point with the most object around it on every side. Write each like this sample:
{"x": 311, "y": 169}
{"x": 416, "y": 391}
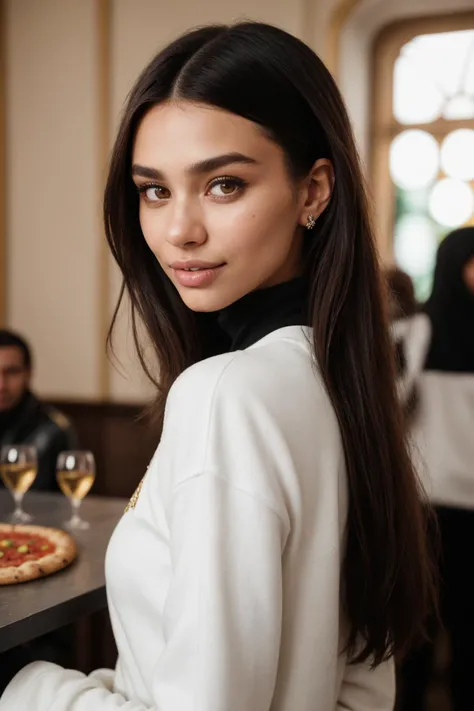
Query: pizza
{"x": 30, "y": 552}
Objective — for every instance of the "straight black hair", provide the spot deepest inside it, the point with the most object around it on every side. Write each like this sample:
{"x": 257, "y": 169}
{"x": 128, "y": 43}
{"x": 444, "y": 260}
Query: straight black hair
{"x": 450, "y": 307}
{"x": 265, "y": 75}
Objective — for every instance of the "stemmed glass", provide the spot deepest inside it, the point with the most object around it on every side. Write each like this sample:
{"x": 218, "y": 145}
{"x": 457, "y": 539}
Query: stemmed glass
{"x": 75, "y": 473}
{"x": 18, "y": 469}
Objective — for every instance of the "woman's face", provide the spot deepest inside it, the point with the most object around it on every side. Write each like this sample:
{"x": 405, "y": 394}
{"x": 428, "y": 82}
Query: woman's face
{"x": 217, "y": 207}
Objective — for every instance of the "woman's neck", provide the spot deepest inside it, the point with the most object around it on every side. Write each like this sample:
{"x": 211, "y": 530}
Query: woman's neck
{"x": 260, "y": 312}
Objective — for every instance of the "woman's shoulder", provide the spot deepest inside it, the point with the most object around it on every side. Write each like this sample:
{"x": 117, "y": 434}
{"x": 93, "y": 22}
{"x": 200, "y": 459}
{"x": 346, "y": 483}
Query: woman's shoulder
{"x": 278, "y": 360}
{"x": 252, "y": 403}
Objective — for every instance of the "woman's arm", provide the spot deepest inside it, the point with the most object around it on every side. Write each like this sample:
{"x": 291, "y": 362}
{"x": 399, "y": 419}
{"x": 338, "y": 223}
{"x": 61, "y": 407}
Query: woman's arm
{"x": 222, "y": 617}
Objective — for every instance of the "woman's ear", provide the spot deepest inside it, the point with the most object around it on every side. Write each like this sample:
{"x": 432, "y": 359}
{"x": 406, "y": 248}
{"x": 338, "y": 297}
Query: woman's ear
{"x": 318, "y": 190}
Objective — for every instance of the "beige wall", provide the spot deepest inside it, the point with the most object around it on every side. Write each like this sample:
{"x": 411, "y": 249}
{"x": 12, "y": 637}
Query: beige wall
{"x": 52, "y": 189}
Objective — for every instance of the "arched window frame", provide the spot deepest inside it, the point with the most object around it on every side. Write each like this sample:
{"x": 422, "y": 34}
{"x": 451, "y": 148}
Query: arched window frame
{"x": 384, "y": 126}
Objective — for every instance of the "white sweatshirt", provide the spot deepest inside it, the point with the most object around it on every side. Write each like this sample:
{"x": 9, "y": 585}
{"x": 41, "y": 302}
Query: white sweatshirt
{"x": 224, "y": 580}
{"x": 443, "y": 437}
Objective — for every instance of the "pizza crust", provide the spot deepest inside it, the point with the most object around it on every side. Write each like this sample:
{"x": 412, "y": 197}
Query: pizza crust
{"x": 65, "y": 553}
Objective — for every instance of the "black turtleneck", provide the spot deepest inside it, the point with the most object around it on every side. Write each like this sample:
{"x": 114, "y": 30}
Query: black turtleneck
{"x": 260, "y": 312}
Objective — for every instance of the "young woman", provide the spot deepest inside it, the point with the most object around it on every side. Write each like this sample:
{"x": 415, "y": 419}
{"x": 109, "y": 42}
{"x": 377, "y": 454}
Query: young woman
{"x": 443, "y": 434}
{"x": 274, "y": 555}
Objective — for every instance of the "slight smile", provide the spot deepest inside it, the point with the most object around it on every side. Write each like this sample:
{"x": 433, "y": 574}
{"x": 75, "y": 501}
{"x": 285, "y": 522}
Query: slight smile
{"x": 194, "y": 273}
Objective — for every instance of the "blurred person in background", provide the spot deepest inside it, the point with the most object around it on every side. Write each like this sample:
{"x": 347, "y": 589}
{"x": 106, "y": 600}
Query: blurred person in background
{"x": 402, "y": 303}
{"x": 443, "y": 437}
{"x": 23, "y": 418}
{"x": 411, "y": 335}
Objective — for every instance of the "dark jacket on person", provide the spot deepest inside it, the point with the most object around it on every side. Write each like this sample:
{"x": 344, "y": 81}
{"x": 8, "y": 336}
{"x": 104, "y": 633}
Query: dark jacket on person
{"x": 49, "y": 430}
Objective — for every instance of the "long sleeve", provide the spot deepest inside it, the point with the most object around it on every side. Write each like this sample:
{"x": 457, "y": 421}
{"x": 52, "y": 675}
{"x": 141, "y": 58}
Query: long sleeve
{"x": 222, "y": 617}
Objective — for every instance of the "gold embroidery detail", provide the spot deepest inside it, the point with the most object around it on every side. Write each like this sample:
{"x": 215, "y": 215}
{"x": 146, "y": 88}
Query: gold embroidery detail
{"x": 133, "y": 501}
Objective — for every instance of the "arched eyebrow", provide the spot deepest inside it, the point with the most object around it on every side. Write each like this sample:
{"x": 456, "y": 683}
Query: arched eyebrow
{"x": 205, "y": 166}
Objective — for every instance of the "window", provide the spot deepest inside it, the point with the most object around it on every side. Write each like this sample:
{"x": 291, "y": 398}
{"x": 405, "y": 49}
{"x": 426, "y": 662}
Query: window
{"x": 423, "y": 141}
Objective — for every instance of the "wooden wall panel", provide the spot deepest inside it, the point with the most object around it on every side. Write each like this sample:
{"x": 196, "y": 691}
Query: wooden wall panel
{"x": 122, "y": 443}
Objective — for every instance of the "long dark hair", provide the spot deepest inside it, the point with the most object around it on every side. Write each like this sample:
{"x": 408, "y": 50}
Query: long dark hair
{"x": 273, "y": 79}
{"x": 451, "y": 306}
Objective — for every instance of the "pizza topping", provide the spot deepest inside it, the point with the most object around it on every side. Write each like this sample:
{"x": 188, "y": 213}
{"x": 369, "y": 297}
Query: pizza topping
{"x": 22, "y": 547}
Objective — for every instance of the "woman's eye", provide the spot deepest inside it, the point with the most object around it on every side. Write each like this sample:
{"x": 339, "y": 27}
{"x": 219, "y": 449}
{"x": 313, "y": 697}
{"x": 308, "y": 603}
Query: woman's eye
{"x": 155, "y": 193}
{"x": 225, "y": 188}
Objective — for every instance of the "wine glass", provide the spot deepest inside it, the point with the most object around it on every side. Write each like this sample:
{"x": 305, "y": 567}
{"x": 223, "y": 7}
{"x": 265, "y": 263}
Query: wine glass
{"x": 75, "y": 473}
{"x": 18, "y": 469}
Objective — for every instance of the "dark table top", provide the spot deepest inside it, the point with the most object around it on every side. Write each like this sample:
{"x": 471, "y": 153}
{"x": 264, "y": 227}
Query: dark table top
{"x": 28, "y": 610}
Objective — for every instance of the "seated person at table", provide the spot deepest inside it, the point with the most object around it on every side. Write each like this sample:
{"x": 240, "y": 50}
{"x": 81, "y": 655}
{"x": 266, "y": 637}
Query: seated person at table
{"x": 23, "y": 418}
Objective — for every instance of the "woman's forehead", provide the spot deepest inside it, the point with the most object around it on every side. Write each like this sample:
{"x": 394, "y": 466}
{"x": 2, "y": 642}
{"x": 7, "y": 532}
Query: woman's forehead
{"x": 186, "y": 133}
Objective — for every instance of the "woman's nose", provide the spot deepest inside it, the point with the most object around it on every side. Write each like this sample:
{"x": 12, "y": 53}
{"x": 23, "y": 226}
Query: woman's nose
{"x": 186, "y": 228}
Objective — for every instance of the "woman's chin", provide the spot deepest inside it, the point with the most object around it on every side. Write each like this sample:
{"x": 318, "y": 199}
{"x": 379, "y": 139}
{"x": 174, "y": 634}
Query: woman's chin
{"x": 206, "y": 300}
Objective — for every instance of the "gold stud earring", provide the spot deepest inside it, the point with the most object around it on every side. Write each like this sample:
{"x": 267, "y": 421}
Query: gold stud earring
{"x": 310, "y": 222}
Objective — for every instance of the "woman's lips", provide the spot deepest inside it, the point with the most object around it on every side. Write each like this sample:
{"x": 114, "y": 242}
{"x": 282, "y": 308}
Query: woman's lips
{"x": 204, "y": 276}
